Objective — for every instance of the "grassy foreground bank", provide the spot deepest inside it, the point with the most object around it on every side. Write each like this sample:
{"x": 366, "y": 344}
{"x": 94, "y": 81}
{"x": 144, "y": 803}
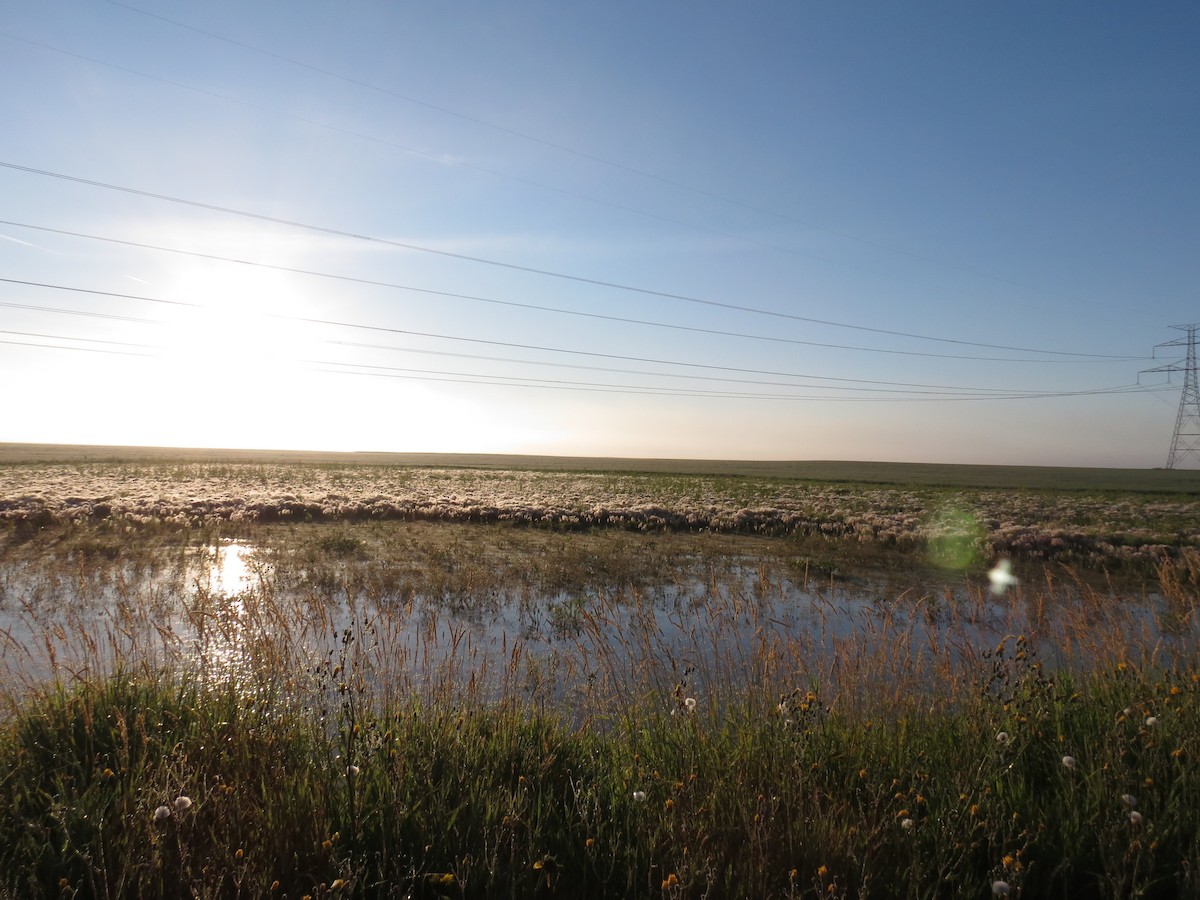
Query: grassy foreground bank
{"x": 1036, "y": 785}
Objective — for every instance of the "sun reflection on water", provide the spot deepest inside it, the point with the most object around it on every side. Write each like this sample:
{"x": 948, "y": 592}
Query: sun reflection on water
{"x": 224, "y": 611}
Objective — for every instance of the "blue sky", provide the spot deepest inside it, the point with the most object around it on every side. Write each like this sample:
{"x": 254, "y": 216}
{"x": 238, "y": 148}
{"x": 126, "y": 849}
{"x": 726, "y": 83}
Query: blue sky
{"x": 936, "y": 232}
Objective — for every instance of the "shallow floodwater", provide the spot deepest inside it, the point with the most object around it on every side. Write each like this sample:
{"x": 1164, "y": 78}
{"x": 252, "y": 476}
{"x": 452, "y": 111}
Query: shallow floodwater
{"x": 226, "y": 613}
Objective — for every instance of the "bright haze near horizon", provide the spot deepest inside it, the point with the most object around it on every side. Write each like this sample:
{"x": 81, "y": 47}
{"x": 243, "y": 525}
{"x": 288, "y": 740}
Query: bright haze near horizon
{"x": 937, "y": 232}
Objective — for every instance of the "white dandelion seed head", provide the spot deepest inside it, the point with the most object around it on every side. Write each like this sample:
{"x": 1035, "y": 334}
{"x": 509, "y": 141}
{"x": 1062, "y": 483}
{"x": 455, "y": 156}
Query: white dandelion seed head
{"x": 1135, "y": 817}
{"x": 182, "y": 803}
{"x": 1129, "y": 800}
{"x": 1151, "y": 721}
{"x": 1069, "y": 762}
{"x": 1001, "y": 889}
{"x": 162, "y": 814}
{"x": 351, "y": 771}
{"x": 639, "y": 796}
{"x": 690, "y": 704}
{"x": 1003, "y": 737}
{"x": 907, "y": 824}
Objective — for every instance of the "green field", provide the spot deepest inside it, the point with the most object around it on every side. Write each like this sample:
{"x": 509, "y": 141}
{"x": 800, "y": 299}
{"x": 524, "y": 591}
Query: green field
{"x": 1185, "y": 482}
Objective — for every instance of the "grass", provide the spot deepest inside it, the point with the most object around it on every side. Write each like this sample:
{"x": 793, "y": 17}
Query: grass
{"x": 390, "y": 708}
{"x": 415, "y": 799}
{"x": 1186, "y": 482}
{"x": 1093, "y": 528}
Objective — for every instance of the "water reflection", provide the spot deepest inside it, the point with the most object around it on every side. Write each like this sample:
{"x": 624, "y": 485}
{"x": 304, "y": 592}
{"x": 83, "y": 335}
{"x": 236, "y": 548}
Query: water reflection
{"x": 221, "y": 616}
{"x": 228, "y": 612}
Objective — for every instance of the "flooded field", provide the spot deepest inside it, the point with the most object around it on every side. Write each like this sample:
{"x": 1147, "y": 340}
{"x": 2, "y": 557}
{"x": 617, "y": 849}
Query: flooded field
{"x": 431, "y": 683}
{"x": 491, "y": 612}
{"x": 1093, "y": 528}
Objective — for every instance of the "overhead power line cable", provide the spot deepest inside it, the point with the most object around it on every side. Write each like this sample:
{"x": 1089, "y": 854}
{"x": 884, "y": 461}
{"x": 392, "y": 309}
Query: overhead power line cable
{"x": 642, "y": 173}
{"x": 516, "y": 381}
{"x": 588, "y": 353}
{"x": 441, "y": 158}
{"x": 528, "y": 269}
{"x": 517, "y": 304}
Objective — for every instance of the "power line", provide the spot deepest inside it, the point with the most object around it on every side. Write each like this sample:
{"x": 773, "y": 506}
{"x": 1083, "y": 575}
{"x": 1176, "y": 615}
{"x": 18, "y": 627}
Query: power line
{"x": 332, "y": 367}
{"x": 588, "y": 353}
{"x": 70, "y": 337}
{"x": 516, "y": 304}
{"x": 528, "y": 269}
{"x": 77, "y": 312}
{"x": 68, "y": 347}
{"x": 439, "y": 158}
{"x": 1185, "y": 441}
{"x": 556, "y": 146}
{"x": 396, "y": 372}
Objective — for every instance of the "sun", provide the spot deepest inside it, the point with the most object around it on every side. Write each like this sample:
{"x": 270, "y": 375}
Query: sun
{"x": 233, "y": 324}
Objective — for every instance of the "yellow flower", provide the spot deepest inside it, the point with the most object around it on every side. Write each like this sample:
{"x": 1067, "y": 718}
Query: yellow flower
{"x": 670, "y": 881}
{"x": 822, "y": 871}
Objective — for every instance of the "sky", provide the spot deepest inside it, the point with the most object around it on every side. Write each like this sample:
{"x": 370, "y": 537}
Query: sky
{"x": 921, "y": 231}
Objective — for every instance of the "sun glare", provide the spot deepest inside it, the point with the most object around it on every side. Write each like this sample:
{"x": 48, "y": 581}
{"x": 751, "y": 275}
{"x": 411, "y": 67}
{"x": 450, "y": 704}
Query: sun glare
{"x": 234, "y": 328}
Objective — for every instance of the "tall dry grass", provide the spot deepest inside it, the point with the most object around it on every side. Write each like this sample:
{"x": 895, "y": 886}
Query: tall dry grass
{"x": 335, "y": 725}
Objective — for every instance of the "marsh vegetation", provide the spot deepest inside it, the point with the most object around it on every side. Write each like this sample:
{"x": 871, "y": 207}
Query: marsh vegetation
{"x": 203, "y": 700}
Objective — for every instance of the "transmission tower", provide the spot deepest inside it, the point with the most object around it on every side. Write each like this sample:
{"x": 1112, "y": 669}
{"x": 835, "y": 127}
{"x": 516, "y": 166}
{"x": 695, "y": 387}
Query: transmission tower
{"x": 1186, "y": 441}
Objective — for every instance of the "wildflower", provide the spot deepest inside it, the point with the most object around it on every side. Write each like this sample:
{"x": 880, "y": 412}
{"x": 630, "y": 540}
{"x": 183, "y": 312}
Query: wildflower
{"x": 162, "y": 814}
{"x": 590, "y": 842}
{"x": 1129, "y": 800}
{"x": 639, "y": 796}
{"x": 1000, "y": 889}
{"x": 1135, "y": 817}
{"x": 1069, "y": 762}
{"x": 1151, "y": 721}
{"x": 338, "y": 884}
{"x": 670, "y": 881}
{"x": 822, "y": 871}
{"x": 907, "y": 824}
{"x": 690, "y": 704}
{"x": 182, "y": 803}
{"x": 351, "y": 771}
{"x": 1003, "y": 738}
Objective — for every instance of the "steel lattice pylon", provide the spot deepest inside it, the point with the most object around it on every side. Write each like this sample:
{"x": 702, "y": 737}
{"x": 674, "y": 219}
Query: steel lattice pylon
{"x": 1185, "y": 443}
